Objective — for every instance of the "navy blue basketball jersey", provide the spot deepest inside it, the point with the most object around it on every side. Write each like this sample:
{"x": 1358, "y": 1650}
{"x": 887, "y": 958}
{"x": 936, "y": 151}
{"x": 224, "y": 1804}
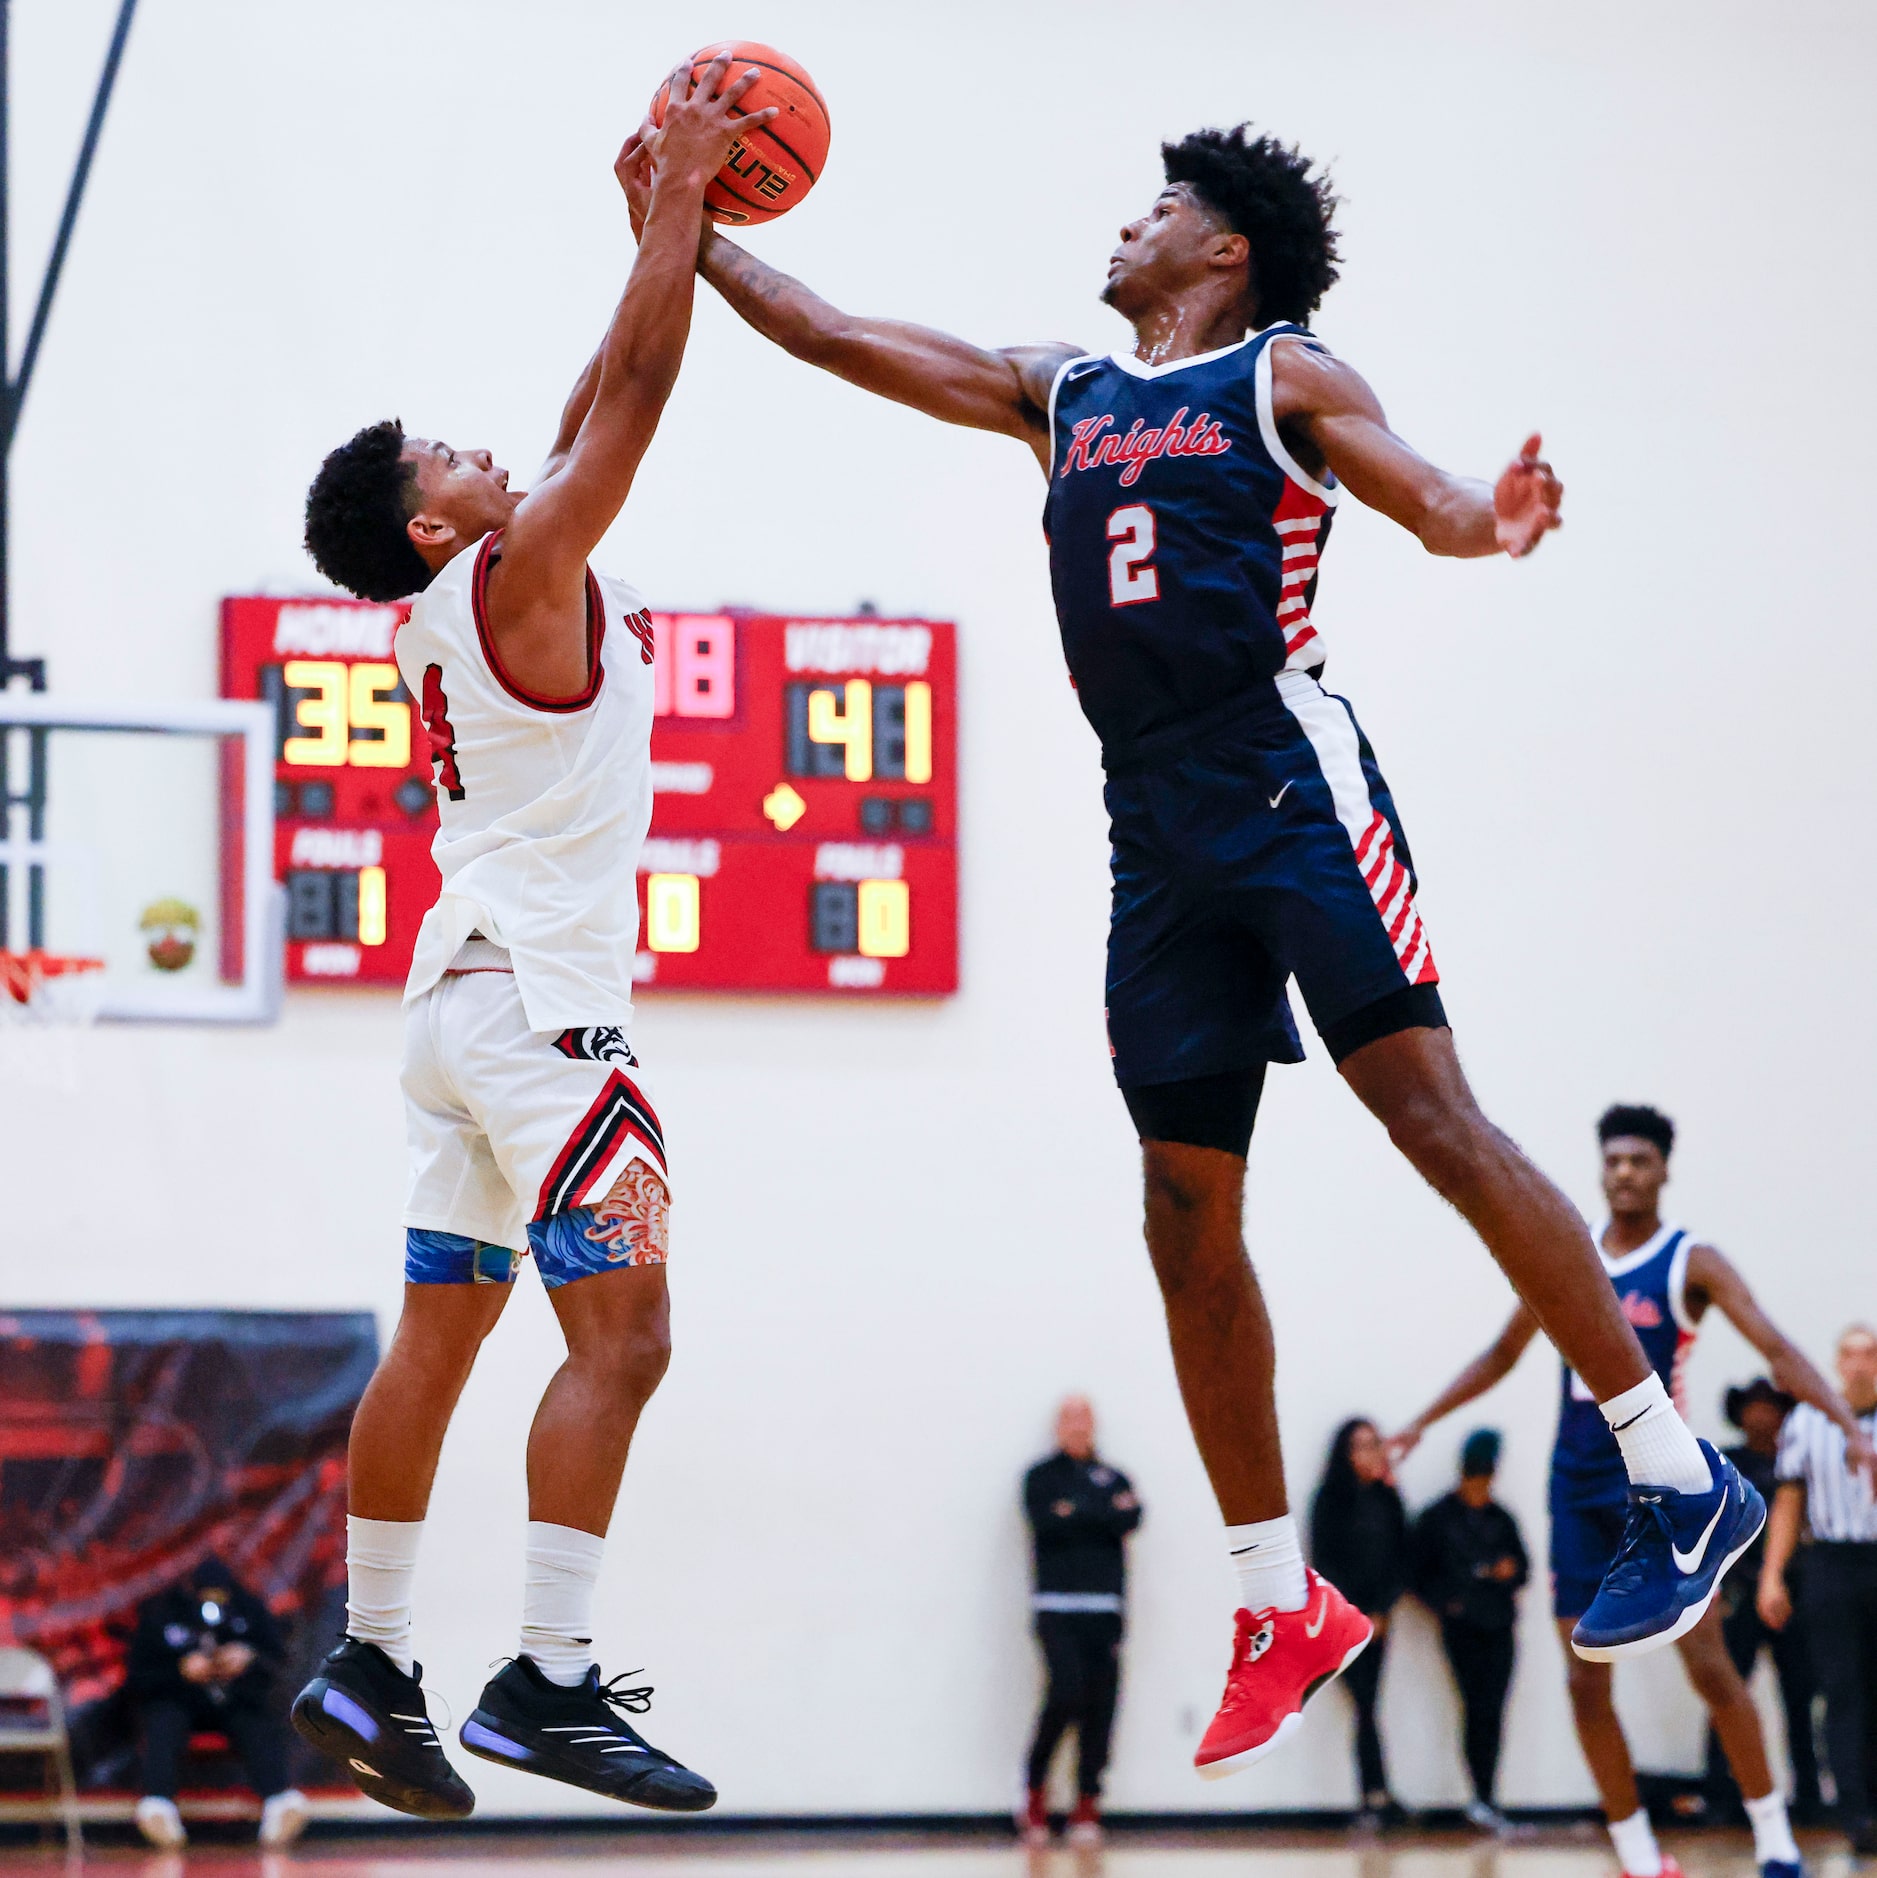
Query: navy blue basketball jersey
{"x": 1183, "y": 540}
{"x": 1650, "y": 1283}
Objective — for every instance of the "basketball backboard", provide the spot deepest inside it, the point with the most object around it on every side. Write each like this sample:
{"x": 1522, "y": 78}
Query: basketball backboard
{"x": 142, "y": 836}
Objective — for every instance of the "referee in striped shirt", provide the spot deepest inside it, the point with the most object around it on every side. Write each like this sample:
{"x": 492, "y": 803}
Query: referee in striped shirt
{"x": 1827, "y": 1478}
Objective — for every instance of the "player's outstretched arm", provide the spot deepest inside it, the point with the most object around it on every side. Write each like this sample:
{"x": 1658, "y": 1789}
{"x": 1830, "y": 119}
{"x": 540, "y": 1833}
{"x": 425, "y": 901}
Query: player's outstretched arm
{"x": 1005, "y": 390}
{"x": 1714, "y": 1277}
{"x": 1328, "y": 408}
{"x": 1489, "y": 1368}
{"x": 536, "y": 589}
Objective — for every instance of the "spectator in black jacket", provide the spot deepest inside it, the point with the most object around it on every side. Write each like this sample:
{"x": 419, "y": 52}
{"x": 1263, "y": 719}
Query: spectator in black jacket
{"x": 203, "y": 1660}
{"x": 1469, "y": 1566}
{"x": 1080, "y": 1512}
{"x": 1759, "y": 1411}
{"x": 1359, "y": 1542}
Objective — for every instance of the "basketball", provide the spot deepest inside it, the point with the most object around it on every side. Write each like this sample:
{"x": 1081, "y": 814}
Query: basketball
{"x": 772, "y": 170}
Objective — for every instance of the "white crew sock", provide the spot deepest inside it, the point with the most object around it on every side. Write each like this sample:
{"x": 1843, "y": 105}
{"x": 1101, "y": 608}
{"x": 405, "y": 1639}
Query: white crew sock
{"x": 563, "y": 1571}
{"x": 1658, "y": 1449}
{"x": 1772, "y": 1830}
{"x": 1269, "y": 1562}
{"x": 1636, "y": 1849}
{"x": 380, "y": 1565}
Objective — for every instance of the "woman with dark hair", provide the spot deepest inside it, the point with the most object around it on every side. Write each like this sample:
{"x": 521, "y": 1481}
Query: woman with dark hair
{"x": 1359, "y": 1542}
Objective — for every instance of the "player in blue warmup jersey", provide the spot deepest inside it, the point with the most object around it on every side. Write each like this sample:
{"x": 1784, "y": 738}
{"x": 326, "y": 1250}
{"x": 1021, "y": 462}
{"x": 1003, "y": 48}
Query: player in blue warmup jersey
{"x": 1666, "y": 1281}
{"x": 1192, "y": 477}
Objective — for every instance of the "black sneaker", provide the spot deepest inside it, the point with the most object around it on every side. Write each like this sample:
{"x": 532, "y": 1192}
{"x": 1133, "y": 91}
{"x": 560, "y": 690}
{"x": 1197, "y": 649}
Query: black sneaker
{"x": 580, "y": 1735}
{"x": 369, "y": 1716}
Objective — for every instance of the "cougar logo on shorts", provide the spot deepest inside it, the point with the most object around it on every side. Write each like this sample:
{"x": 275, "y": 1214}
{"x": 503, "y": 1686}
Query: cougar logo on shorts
{"x": 598, "y": 1043}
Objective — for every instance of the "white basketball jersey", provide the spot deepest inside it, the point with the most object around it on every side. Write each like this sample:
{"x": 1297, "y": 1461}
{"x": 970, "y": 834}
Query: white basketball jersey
{"x": 543, "y": 803}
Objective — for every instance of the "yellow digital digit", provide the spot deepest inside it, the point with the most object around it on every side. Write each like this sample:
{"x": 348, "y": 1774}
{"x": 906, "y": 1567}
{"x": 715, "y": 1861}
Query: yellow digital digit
{"x": 672, "y": 922}
{"x": 918, "y": 732}
{"x": 323, "y": 712}
{"x": 371, "y": 712}
{"x": 851, "y": 726}
{"x": 885, "y": 919}
{"x": 371, "y": 906}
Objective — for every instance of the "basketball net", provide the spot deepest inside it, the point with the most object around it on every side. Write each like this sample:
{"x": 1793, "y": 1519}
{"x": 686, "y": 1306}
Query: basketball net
{"x": 49, "y": 990}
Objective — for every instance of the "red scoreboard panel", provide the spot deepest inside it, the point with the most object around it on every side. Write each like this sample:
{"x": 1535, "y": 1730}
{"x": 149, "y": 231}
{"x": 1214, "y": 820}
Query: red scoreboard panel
{"x": 804, "y": 833}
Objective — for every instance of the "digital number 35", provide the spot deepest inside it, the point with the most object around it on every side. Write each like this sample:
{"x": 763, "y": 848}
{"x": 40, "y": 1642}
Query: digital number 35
{"x": 1130, "y": 579}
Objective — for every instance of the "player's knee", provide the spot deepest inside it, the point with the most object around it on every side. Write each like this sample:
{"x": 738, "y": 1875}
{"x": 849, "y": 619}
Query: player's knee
{"x": 1714, "y": 1679}
{"x": 1448, "y": 1143}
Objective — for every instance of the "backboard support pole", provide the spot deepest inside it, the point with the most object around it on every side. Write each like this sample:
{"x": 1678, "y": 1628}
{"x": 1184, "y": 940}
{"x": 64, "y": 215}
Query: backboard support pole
{"x": 32, "y": 799}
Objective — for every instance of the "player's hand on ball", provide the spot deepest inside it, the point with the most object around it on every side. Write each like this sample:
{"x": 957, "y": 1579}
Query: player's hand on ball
{"x": 1401, "y": 1444}
{"x": 703, "y": 119}
{"x": 1526, "y": 501}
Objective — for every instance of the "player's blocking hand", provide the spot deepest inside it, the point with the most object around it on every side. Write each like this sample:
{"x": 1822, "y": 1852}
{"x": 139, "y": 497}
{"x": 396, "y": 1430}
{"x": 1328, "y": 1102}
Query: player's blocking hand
{"x": 1526, "y": 501}
{"x": 703, "y": 118}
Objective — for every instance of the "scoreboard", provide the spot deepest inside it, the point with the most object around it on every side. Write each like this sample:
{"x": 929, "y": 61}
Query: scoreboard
{"x": 804, "y": 775}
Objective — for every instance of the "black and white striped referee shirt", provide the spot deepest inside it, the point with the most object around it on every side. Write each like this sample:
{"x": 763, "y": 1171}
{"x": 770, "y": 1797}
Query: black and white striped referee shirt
{"x": 1838, "y": 1504}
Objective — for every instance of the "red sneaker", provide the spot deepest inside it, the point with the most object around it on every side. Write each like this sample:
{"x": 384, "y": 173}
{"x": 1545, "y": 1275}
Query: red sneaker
{"x": 1033, "y": 1820}
{"x": 1085, "y": 1822}
{"x": 1669, "y": 1868}
{"x": 1280, "y": 1659}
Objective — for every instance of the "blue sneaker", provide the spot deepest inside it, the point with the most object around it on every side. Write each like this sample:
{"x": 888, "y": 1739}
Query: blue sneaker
{"x": 1676, "y": 1549}
{"x": 1781, "y": 1868}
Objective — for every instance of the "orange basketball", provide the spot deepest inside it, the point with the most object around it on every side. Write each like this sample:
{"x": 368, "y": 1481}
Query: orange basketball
{"x": 771, "y": 170}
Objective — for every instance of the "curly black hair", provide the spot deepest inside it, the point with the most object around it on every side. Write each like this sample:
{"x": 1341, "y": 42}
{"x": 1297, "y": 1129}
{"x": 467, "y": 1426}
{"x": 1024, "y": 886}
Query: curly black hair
{"x": 355, "y": 515}
{"x": 1638, "y": 1119}
{"x": 1265, "y": 192}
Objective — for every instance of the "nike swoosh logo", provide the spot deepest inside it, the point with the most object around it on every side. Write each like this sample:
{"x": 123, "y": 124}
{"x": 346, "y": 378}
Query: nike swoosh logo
{"x": 1323, "y": 1609}
{"x": 1275, "y": 800}
{"x": 1687, "y": 1563}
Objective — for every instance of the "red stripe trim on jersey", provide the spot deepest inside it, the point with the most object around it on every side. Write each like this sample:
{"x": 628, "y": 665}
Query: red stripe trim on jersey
{"x": 596, "y": 638}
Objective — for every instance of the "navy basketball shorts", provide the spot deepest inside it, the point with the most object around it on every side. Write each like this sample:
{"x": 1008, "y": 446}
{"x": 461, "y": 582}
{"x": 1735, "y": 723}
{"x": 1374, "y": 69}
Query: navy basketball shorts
{"x": 1270, "y": 850}
{"x": 1586, "y": 1535}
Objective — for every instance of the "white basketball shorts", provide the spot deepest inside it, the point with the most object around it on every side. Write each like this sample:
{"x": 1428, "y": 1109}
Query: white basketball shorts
{"x": 508, "y": 1125}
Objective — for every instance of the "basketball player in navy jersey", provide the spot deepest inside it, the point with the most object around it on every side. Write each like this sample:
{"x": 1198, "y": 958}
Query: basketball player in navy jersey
{"x": 1191, "y": 479}
{"x": 1666, "y": 1282}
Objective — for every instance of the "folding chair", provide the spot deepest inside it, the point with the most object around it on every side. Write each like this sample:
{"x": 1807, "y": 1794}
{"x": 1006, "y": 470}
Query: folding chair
{"x": 32, "y": 1721}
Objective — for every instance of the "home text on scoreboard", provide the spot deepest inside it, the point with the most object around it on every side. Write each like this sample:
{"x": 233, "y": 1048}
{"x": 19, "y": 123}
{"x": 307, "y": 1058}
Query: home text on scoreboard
{"x": 804, "y": 833}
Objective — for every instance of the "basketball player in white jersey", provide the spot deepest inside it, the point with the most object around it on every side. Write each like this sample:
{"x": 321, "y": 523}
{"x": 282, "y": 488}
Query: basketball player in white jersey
{"x": 529, "y": 1121}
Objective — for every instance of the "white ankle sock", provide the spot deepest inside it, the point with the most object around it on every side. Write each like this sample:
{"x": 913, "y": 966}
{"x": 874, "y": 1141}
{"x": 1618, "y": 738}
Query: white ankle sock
{"x": 1269, "y": 1562}
{"x": 1658, "y": 1449}
{"x": 563, "y": 1571}
{"x": 380, "y": 1565}
{"x": 1636, "y": 1849}
{"x": 1772, "y": 1830}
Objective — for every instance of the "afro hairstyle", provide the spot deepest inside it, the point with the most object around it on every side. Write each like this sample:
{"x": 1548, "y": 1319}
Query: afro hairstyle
{"x": 356, "y": 513}
{"x": 1265, "y": 191}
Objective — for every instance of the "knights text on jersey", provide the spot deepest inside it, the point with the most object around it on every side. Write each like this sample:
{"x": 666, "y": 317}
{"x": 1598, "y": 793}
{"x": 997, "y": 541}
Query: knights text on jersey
{"x": 543, "y": 803}
{"x": 1651, "y": 1285}
{"x": 1183, "y": 541}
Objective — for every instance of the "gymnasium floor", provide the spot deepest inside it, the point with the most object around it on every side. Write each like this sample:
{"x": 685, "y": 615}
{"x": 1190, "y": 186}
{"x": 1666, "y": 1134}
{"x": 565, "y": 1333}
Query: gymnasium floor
{"x": 1215, "y": 1855}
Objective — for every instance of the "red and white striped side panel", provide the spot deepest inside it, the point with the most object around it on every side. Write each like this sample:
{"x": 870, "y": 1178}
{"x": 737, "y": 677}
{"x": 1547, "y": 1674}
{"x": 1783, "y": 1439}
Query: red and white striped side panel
{"x": 1332, "y": 736}
{"x": 1393, "y": 895}
{"x": 1299, "y": 522}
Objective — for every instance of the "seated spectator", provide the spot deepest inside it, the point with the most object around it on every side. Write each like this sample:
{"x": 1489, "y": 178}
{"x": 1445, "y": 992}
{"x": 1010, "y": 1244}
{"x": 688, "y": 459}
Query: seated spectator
{"x": 203, "y": 1660}
{"x": 1359, "y": 1542}
{"x": 1469, "y": 1565}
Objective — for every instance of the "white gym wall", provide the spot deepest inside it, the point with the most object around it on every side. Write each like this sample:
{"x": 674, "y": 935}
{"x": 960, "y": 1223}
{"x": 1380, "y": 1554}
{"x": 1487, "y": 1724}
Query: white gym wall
{"x": 1633, "y": 771}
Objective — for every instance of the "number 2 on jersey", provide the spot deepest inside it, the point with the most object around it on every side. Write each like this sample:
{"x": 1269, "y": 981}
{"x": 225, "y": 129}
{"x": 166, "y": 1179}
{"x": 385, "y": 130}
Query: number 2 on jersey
{"x": 442, "y": 735}
{"x": 1130, "y": 578}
